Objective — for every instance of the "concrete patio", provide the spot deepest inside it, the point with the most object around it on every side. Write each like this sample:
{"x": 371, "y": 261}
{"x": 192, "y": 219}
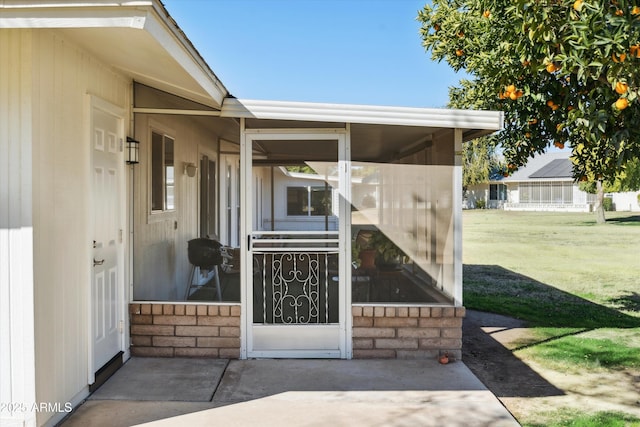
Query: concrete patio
{"x": 202, "y": 392}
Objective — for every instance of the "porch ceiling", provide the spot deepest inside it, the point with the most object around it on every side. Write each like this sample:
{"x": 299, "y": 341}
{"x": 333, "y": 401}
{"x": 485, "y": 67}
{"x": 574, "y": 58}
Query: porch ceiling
{"x": 378, "y": 133}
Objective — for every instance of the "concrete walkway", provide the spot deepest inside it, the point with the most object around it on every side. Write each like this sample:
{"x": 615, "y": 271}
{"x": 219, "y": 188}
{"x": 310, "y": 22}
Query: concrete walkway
{"x": 198, "y": 392}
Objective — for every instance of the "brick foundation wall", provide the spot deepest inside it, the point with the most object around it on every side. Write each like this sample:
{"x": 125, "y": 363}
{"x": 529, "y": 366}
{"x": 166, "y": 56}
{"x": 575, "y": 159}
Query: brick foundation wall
{"x": 185, "y": 330}
{"x": 189, "y": 330}
{"x": 407, "y": 332}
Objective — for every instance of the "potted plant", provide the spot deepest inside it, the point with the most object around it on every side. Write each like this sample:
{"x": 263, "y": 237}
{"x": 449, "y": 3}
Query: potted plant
{"x": 388, "y": 255}
{"x": 363, "y": 251}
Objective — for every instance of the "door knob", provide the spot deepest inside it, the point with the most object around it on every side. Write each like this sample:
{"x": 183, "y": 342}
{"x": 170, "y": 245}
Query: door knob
{"x": 96, "y": 262}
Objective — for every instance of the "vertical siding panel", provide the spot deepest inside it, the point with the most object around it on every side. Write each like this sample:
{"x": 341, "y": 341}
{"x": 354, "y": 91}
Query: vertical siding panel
{"x": 44, "y": 195}
{"x": 16, "y": 220}
{"x": 64, "y": 75}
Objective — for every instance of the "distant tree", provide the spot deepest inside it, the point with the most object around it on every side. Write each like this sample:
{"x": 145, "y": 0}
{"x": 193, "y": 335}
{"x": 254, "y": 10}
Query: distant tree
{"x": 564, "y": 72}
{"x": 480, "y": 162}
{"x": 628, "y": 180}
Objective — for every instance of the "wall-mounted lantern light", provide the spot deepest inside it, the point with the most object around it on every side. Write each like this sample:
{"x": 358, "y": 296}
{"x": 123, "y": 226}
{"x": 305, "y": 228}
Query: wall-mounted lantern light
{"x": 133, "y": 151}
{"x": 190, "y": 169}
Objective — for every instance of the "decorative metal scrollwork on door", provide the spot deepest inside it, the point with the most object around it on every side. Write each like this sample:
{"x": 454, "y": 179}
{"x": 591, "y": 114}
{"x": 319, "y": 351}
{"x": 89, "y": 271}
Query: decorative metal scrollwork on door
{"x": 297, "y": 282}
{"x": 296, "y": 287}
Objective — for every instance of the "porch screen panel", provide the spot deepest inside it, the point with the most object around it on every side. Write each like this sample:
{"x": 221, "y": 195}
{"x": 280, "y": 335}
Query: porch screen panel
{"x": 402, "y": 229}
{"x": 567, "y": 193}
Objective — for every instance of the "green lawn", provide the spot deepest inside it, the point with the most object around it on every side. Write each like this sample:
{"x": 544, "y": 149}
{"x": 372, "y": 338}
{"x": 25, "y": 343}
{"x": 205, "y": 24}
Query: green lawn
{"x": 575, "y": 283}
{"x": 554, "y": 269}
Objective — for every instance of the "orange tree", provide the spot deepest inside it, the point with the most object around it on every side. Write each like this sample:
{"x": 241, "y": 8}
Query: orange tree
{"x": 565, "y": 73}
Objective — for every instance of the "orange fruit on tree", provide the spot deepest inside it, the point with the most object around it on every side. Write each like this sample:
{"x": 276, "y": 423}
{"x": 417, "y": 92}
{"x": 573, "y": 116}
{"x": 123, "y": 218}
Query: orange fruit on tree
{"x": 559, "y": 144}
{"x": 621, "y": 88}
{"x": 619, "y": 12}
{"x": 618, "y": 58}
{"x": 634, "y": 50}
{"x": 486, "y": 13}
{"x": 635, "y": 10}
{"x": 577, "y": 5}
{"x": 533, "y": 121}
{"x": 459, "y": 52}
{"x": 622, "y": 103}
{"x": 551, "y": 67}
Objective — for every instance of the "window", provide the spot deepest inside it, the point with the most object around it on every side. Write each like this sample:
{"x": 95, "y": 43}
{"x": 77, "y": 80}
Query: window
{"x": 162, "y": 173}
{"x": 545, "y": 192}
{"x": 308, "y": 201}
{"x": 497, "y": 192}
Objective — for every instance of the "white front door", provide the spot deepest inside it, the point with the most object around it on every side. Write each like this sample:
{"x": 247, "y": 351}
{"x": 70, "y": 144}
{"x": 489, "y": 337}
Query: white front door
{"x": 295, "y": 275}
{"x": 106, "y": 279}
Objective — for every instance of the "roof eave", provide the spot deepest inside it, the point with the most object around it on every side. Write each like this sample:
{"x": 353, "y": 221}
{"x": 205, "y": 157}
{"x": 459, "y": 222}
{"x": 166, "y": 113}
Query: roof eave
{"x": 147, "y": 15}
{"x": 477, "y": 123}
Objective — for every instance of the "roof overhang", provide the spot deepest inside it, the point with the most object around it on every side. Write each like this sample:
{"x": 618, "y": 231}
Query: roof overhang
{"x": 473, "y": 123}
{"x": 138, "y": 38}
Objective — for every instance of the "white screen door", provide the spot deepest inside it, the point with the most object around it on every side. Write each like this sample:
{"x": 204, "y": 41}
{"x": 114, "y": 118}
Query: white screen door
{"x": 106, "y": 284}
{"x": 295, "y": 274}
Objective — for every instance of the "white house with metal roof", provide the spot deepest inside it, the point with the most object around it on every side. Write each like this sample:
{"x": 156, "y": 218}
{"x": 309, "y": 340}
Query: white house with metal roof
{"x": 119, "y": 146}
{"x": 546, "y": 183}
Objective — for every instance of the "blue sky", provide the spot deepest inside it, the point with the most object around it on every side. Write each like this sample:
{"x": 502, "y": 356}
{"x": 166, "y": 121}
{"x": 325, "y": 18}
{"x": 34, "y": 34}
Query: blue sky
{"x": 338, "y": 51}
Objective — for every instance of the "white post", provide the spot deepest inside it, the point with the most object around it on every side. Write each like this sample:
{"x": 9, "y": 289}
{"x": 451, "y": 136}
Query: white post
{"x": 457, "y": 218}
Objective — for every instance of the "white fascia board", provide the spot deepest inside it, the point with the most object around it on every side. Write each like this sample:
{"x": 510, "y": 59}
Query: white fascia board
{"x": 368, "y": 114}
{"x": 65, "y": 18}
{"x": 183, "y": 51}
{"x": 536, "y": 180}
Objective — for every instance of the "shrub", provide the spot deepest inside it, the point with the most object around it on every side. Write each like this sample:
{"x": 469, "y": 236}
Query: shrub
{"x": 608, "y": 205}
{"x": 480, "y": 204}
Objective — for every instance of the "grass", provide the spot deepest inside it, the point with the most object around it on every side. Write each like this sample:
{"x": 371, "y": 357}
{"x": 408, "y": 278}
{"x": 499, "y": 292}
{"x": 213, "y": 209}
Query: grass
{"x": 599, "y": 419}
{"x": 579, "y": 352}
{"x": 574, "y": 282}
{"x": 553, "y": 269}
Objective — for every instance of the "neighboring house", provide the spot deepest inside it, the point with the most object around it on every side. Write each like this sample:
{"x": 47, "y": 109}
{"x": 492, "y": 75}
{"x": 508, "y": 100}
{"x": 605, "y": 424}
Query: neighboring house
{"x": 625, "y": 201}
{"x": 491, "y": 195}
{"x": 546, "y": 183}
{"x": 119, "y": 145}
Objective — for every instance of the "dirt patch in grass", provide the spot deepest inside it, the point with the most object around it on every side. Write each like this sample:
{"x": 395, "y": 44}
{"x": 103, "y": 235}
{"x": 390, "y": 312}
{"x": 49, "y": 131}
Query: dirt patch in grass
{"x": 529, "y": 390}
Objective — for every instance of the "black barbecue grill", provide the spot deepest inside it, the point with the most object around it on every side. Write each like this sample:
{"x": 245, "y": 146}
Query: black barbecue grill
{"x": 205, "y": 254}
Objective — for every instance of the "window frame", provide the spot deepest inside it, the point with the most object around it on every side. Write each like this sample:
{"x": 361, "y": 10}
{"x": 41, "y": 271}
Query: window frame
{"x": 309, "y": 192}
{"x": 500, "y": 191}
{"x": 165, "y": 134}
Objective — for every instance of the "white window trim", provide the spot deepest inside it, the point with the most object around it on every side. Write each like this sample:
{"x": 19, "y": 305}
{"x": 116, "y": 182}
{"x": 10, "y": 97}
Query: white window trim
{"x": 168, "y": 214}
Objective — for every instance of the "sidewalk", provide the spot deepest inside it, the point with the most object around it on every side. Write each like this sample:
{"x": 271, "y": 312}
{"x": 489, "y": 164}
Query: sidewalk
{"x": 204, "y": 392}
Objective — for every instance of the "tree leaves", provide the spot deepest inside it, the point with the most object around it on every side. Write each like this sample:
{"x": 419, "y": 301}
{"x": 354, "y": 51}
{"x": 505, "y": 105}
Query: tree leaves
{"x": 566, "y": 62}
